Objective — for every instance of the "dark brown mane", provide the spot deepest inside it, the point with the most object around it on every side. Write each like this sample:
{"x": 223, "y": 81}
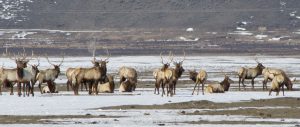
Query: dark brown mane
{"x": 20, "y": 72}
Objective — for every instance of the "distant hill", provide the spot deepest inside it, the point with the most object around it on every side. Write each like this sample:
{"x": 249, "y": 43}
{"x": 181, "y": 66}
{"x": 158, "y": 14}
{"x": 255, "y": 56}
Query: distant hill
{"x": 207, "y": 15}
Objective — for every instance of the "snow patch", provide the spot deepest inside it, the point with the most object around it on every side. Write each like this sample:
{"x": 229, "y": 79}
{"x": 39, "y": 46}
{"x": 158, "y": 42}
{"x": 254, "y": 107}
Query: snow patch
{"x": 190, "y": 29}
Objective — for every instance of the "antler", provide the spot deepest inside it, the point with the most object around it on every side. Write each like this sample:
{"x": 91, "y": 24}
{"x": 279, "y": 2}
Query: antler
{"x": 108, "y": 55}
{"x": 49, "y": 60}
{"x": 162, "y": 60}
{"x": 183, "y": 57}
{"x": 171, "y": 57}
{"x": 63, "y": 57}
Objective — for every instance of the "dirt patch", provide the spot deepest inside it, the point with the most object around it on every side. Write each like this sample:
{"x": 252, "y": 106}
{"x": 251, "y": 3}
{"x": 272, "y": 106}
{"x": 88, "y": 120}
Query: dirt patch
{"x": 284, "y": 101}
{"x": 37, "y": 119}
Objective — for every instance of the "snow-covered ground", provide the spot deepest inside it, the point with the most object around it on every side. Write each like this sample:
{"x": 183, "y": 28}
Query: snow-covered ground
{"x": 65, "y": 103}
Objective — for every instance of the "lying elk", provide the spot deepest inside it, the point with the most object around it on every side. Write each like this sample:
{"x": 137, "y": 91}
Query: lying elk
{"x": 250, "y": 73}
{"x": 198, "y": 78}
{"x": 49, "y": 75}
{"x": 220, "y": 87}
{"x": 279, "y": 80}
{"x": 176, "y": 73}
{"x": 163, "y": 76}
{"x": 11, "y": 76}
{"x": 108, "y": 86}
{"x": 268, "y": 74}
{"x": 130, "y": 74}
{"x": 94, "y": 75}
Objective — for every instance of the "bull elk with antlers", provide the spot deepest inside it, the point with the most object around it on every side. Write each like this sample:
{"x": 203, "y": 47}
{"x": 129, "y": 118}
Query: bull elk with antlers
{"x": 93, "y": 75}
{"x": 163, "y": 76}
{"x": 220, "y": 87}
{"x": 250, "y": 73}
{"x": 49, "y": 75}
{"x": 11, "y": 76}
{"x": 176, "y": 73}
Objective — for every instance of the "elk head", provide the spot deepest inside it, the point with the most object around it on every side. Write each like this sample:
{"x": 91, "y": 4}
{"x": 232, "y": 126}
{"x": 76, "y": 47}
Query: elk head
{"x": 259, "y": 65}
{"x": 167, "y": 64}
{"x": 193, "y": 75}
{"x": 226, "y": 82}
{"x": 178, "y": 65}
{"x": 21, "y": 60}
{"x": 56, "y": 66}
{"x": 35, "y": 66}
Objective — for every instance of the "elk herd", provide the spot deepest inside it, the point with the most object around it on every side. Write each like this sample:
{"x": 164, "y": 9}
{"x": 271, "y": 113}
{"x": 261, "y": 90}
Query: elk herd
{"x": 95, "y": 79}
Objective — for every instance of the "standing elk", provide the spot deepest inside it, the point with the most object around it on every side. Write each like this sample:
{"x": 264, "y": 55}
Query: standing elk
{"x": 198, "y": 78}
{"x": 176, "y": 73}
{"x": 269, "y": 74}
{"x": 11, "y": 76}
{"x": 29, "y": 78}
{"x": 130, "y": 74}
{"x": 162, "y": 76}
{"x": 49, "y": 75}
{"x": 250, "y": 73}
{"x": 279, "y": 80}
{"x": 93, "y": 75}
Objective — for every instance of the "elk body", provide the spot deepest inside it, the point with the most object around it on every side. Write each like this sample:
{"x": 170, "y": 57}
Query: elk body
{"x": 108, "y": 86}
{"x": 69, "y": 73}
{"x": 279, "y": 80}
{"x": 249, "y": 73}
{"x": 198, "y": 78}
{"x": 269, "y": 74}
{"x": 18, "y": 75}
{"x": 163, "y": 76}
{"x": 93, "y": 75}
{"x": 130, "y": 74}
{"x": 219, "y": 88}
{"x": 49, "y": 75}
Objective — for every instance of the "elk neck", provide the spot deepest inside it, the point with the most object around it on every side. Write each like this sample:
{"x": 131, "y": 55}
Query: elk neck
{"x": 20, "y": 72}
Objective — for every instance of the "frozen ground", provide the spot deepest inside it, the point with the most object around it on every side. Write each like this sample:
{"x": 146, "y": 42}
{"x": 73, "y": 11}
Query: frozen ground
{"x": 65, "y": 103}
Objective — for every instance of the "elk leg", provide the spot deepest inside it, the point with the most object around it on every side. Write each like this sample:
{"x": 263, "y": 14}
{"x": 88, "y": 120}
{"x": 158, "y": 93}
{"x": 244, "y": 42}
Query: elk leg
{"x": 198, "y": 88}
{"x": 202, "y": 88}
{"x": 90, "y": 88}
{"x": 252, "y": 82}
{"x": 86, "y": 89}
{"x": 270, "y": 91}
{"x": 194, "y": 88}
{"x": 239, "y": 84}
{"x": 11, "y": 89}
{"x": 163, "y": 88}
{"x": 24, "y": 87}
{"x": 68, "y": 84}
{"x": 243, "y": 82}
{"x": 19, "y": 89}
{"x": 174, "y": 88}
{"x": 282, "y": 89}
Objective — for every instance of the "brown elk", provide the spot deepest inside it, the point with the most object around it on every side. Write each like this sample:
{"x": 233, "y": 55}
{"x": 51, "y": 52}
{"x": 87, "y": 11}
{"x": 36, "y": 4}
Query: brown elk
{"x": 269, "y": 74}
{"x": 93, "y": 75}
{"x": 198, "y": 78}
{"x": 162, "y": 76}
{"x": 11, "y": 76}
{"x": 250, "y": 73}
{"x": 221, "y": 87}
{"x": 49, "y": 75}
{"x": 279, "y": 80}
{"x": 176, "y": 73}
{"x": 130, "y": 74}
{"x": 29, "y": 78}
{"x": 108, "y": 86}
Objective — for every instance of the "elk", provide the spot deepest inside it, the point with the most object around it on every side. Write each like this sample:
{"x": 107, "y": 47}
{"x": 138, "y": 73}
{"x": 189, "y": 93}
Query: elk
{"x": 279, "y": 80}
{"x": 11, "y": 76}
{"x": 49, "y": 75}
{"x": 198, "y": 78}
{"x": 94, "y": 75}
{"x": 250, "y": 73}
{"x": 108, "y": 86}
{"x": 268, "y": 74}
{"x": 162, "y": 76}
{"x": 130, "y": 74}
{"x": 220, "y": 87}
{"x": 29, "y": 78}
{"x": 176, "y": 73}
